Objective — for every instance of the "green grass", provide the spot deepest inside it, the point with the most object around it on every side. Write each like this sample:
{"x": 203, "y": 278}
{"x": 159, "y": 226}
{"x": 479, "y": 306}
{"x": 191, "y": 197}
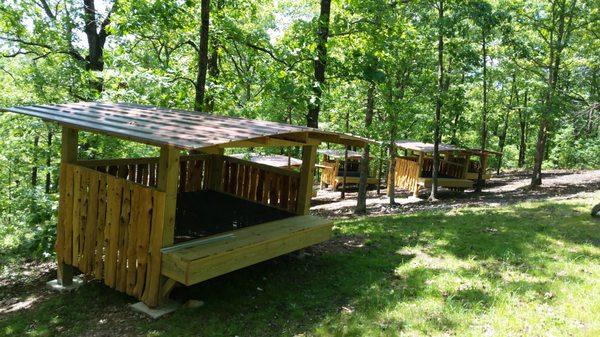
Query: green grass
{"x": 529, "y": 269}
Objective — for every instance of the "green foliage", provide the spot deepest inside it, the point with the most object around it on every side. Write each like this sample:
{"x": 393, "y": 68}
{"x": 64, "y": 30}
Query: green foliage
{"x": 573, "y": 152}
{"x": 263, "y": 68}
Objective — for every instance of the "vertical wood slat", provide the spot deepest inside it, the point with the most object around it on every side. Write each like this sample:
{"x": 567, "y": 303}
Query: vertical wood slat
{"x": 89, "y": 235}
{"x": 75, "y": 216}
{"x": 255, "y": 183}
{"x": 100, "y": 228}
{"x": 131, "y": 244}
{"x": 142, "y": 240}
{"x": 407, "y": 173}
{"x": 152, "y": 281}
{"x": 121, "y": 269}
{"x": 106, "y": 225}
{"x": 113, "y": 213}
{"x": 68, "y": 214}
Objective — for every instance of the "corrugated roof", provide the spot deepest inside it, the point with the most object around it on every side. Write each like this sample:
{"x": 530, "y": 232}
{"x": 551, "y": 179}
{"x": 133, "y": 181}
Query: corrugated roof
{"x": 276, "y": 160}
{"x": 161, "y": 126}
{"x": 340, "y": 154}
{"x": 428, "y": 147}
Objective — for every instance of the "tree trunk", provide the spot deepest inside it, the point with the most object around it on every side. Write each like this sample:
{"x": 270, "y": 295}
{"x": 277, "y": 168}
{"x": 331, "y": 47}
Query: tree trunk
{"x": 502, "y": 137}
{"x": 320, "y": 63}
{"x": 34, "y": 168}
{"x": 523, "y": 130}
{"x": 380, "y": 169}
{"x": 557, "y": 45}
{"x": 343, "y": 195}
{"x": 482, "y": 161}
{"x": 361, "y": 203}
{"x": 202, "y": 55}
{"x": 49, "y": 160}
{"x": 392, "y": 171}
{"x": 96, "y": 39}
{"x": 438, "y": 105}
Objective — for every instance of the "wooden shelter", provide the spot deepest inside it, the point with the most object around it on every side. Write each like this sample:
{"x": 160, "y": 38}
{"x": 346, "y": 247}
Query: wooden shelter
{"x": 459, "y": 167}
{"x": 142, "y": 225}
{"x": 332, "y": 173}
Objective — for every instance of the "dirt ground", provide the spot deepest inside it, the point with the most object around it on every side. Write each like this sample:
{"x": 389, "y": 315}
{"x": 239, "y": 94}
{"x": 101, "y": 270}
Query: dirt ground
{"x": 506, "y": 188}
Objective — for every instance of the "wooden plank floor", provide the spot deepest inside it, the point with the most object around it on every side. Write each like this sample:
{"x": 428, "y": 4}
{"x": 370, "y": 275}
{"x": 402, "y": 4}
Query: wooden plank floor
{"x": 202, "y": 259}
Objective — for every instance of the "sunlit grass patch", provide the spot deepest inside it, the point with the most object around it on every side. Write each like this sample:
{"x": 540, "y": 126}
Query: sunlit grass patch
{"x": 527, "y": 269}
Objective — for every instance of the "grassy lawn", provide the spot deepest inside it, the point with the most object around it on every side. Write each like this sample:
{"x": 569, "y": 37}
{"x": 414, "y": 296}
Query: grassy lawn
{"x": 530, "y": 269}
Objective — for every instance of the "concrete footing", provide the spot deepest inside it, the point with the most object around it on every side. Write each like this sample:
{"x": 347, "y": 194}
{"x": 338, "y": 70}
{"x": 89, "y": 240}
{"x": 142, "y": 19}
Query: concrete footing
{"x": 55, "y": 285}
{"x": 157, "y": 312}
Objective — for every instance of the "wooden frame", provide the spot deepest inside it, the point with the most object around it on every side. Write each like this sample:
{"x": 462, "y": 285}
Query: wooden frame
{"x": 117, "y": 217}
{"x": 330, "y": 175}
{"x": 458, "y": 170}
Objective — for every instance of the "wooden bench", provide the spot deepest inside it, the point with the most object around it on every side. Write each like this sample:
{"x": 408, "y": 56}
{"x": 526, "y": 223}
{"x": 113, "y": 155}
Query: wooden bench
{"x": 447, "y": 182}
{"x": 199, "y": 260}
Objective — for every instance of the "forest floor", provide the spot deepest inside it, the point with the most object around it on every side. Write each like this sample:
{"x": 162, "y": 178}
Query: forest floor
{"x": 504, "y": 262}
{"x": 503, "y": 189}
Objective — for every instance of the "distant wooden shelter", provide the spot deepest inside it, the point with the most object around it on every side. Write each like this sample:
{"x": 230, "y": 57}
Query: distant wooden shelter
{"x": 275, "y": 160}
{"x": 459, "y": 167}
{"x": 332, "y": 168}
{"x": 142, "y": 225}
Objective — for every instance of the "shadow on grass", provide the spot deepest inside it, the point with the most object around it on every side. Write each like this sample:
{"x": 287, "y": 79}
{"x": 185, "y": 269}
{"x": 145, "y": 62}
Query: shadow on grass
{"x": 405, "y": 260}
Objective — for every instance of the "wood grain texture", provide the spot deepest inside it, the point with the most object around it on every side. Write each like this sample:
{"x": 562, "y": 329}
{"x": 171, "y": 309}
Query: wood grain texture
{"x": 113, "y": 224}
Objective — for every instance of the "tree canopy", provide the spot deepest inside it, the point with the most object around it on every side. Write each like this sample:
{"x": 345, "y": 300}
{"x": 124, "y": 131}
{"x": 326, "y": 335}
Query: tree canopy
{"x": 521, "y": 77}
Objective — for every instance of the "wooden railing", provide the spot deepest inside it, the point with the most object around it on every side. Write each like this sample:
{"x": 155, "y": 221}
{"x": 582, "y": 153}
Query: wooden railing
{"x": 267, "y": 185}
{"x": 194, "y": 172}
{"x": 407, "y": 173}
{"x": 142, "y": 171}
{"x": 111, "y": 228}
{"x": 448, "y": 168}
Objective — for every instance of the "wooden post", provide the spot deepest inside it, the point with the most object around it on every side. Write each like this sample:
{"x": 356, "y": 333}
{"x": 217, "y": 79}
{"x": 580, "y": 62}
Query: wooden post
{"x": 216, "y": 170}
{"x": 68, "y": 155}
{"x": 309, "y": 154}
{"x": 168, "y": 176}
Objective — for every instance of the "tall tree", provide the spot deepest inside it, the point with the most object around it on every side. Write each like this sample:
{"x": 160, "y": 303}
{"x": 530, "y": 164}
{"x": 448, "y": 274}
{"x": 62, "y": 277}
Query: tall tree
{"x": 58, "y": 35}
{"x": 523, "y": 113}
{"x": 556, "y": 33}
{"x": 319, "y": 64}
{"x": 438, "y": 101}
{"x": 485, "y": 20}
{"x": 202, "y": 55}
{"x": 361, "y": 203}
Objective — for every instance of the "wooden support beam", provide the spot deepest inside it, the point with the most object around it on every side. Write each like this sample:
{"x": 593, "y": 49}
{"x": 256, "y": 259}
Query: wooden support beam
{"x": 210, "y": 150}
{"x": 309, "y": 155}
{"x": 168, "y": 177}
{"x": 262, "y": 142}
{"x": 68, "y": 154}
{"x": 216, "y": 172}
